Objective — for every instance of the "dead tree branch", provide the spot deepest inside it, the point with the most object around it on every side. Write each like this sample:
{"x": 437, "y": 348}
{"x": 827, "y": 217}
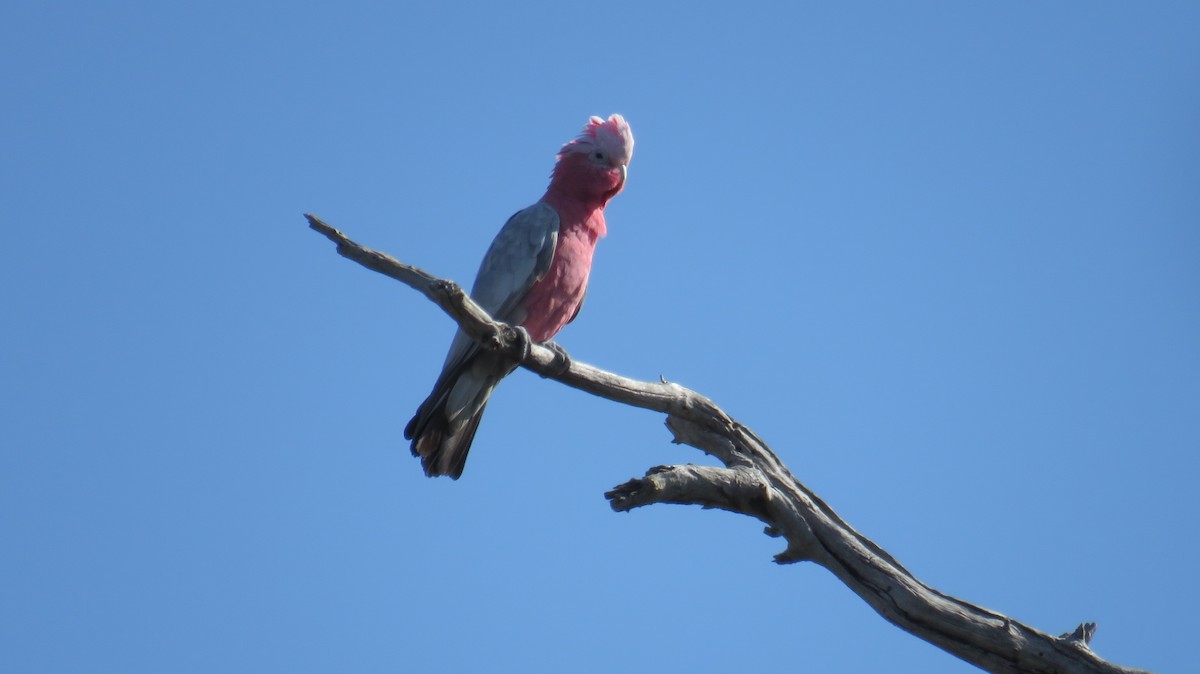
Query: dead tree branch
{"x": 755, "y": 482}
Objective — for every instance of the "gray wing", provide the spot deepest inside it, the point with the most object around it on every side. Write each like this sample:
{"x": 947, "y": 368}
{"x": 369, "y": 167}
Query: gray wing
{"x": 520, "y": 255}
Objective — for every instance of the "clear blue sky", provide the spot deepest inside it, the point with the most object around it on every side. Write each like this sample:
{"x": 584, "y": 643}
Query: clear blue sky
{"x": 944, "y": 257}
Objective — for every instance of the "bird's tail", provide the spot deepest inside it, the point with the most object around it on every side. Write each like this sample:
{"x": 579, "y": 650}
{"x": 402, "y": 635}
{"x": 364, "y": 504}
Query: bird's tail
{"x": 441, "y": 452}
{"x": 442, "y": 443}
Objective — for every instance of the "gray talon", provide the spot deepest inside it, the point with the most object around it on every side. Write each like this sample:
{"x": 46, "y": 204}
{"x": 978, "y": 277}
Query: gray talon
{"x": 524, "y": 340}
{"x": 562, "y": 361}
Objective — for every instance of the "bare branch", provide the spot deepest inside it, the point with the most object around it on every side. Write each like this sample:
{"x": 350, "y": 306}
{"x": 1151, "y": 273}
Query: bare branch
{"x": 736, "y": 490}
{"x": 755, "y": 482}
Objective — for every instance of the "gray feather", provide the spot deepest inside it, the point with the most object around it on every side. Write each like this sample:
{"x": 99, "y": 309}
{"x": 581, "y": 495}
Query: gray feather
{"x": 445, "y": 423}
{"x": 519, "y": 255}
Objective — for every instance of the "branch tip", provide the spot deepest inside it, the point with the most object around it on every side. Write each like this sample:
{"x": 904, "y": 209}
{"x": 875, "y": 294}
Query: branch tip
{"x": 620, "y": 498}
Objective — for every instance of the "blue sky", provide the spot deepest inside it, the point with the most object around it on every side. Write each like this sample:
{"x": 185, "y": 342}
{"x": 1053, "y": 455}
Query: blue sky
{"x": 943, "y": 257}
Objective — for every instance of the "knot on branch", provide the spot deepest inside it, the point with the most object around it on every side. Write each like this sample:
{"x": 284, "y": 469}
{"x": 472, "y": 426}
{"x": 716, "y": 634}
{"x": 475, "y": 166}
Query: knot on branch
{"x": 449, "y": 290}
{"x": 1082, "y": 635}
{"x": 688, "y": 432}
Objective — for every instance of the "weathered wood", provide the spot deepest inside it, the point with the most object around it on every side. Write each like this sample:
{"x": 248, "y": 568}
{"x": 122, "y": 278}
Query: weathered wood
{"x": 756, "y": 483}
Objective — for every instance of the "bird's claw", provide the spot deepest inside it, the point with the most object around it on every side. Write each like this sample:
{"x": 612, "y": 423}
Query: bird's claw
{"x": 523, "y": 341}
{"x": 562, "y": 361}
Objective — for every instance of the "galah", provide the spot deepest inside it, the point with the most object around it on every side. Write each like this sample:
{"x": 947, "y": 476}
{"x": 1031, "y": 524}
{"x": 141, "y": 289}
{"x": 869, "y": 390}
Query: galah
{"x": 533, "y": 276}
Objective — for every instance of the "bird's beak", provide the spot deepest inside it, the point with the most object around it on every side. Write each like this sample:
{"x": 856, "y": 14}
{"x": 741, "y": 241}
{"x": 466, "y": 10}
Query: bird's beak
{"x": 624, "y": 174}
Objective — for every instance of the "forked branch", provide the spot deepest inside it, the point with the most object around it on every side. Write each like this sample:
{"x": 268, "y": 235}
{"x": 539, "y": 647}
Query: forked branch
{"x": 755, "y": 482}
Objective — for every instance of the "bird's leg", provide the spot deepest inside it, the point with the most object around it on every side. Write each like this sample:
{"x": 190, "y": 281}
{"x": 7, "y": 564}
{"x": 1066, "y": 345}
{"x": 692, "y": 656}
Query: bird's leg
{"x": 561, "y": 362}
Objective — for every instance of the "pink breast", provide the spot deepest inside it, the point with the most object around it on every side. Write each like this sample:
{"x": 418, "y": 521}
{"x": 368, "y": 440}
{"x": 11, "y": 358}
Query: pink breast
{"x": 553, "y": 301}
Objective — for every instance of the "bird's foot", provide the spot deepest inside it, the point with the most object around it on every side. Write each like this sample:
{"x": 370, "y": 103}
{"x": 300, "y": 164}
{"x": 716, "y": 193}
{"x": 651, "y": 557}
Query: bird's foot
{"x": 562, "y": 361}
{"x": 524, "y": 341}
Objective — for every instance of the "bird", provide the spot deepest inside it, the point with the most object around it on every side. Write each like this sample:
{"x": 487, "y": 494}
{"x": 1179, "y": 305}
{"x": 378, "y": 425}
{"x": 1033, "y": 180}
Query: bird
{"x": 533, "y": 276}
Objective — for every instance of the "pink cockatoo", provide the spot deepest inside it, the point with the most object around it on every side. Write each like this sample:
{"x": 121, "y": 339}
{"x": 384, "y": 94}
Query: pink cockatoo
{"x": 534, "y": 276}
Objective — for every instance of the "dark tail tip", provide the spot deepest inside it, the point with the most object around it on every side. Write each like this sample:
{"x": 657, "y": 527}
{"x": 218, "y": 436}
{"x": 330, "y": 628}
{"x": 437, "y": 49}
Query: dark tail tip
{"x": 440, "y": 452}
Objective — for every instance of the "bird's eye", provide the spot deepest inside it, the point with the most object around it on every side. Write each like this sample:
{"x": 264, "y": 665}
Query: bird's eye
{"x": 598, "y": 156}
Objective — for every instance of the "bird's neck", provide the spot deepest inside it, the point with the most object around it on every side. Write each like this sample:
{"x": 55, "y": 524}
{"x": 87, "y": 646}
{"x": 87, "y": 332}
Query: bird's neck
{"x": 575, "y": 194}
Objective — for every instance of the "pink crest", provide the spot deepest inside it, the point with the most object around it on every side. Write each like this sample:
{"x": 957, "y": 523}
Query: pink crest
{"x": 612, "y": 136}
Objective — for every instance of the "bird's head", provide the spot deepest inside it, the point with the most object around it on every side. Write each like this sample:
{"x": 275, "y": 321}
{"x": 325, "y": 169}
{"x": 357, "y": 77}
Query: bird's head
{"x": 594, "y": 165}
